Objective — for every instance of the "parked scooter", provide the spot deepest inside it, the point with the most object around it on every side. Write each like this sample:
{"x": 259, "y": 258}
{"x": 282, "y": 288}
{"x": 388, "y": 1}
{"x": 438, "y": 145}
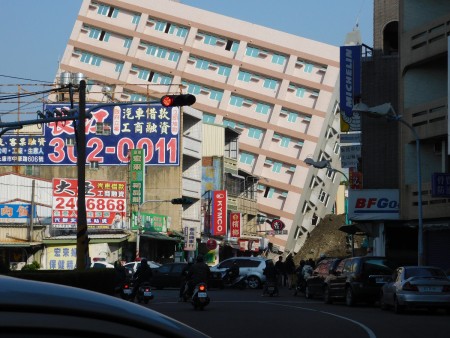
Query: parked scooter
{"x": 200, "y": 297}
{"x": 271, "y": 289}
{"x": 239, "y": 282}
{"x": 144, "y": 293}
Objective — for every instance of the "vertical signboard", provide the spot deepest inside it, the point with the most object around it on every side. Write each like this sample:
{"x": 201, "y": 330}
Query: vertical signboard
{"x": 350, "y": 86}
{"x": 137, "y": 177}
{"x": 189, "y": 239}
{"x": 235, "y": 224}
{"x": 219, "y": 213}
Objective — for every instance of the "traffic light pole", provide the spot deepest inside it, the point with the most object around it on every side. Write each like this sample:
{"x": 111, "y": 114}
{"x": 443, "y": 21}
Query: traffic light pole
{"x": 82, "y": 234}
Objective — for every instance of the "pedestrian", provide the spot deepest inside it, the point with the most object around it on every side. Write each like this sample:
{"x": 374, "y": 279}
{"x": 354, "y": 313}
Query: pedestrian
{"x": 300, "y": 280}
{"x": 271, "y": 277}
{"x": 289, "y": 269}
{"x": 279, "y": 267}
{"x": 120, "y": 276}
{"x": 184, "y": 279}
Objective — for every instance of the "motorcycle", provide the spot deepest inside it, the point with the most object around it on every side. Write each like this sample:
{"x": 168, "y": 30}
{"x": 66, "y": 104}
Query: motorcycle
{"x": 239, "y": 282}
{"x": 271, "y": 289}
{"x": 144, "y": 293}
{"x": 200, "y": 297}
{"x": 127, "y": 290}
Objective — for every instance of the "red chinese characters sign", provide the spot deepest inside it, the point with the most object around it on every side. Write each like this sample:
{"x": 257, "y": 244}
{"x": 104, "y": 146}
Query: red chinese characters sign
{"x": 105, "y": 203}
{"x": 235, "y": 224}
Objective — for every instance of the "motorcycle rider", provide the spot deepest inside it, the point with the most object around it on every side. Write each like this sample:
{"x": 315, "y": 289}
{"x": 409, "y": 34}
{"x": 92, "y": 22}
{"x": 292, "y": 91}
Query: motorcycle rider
{"x": 232, "y": 273}
{"x": 142, "y": 274}
{"x": 198, "y": 273}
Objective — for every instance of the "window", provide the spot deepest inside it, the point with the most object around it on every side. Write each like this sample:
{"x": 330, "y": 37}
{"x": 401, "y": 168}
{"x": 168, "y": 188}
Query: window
{"x": 236, "y": 101}
{"x": 270, "y": 83}
{"x": 136, "y": 19}
{"x": 119, "y": 67}
{"x": 174, "y": 56}
{"x": 108, "y": 11}
{"x": 308, "y": 68}
{"x": 160, "y": 26}
{"x": 262, "y": 108}
{"x": 228, "y": 123}
{"x": 268, "y": 193}
{"x": 252, "y": 51}
{"x": 244, "y": 76}
{"x": 94, "y": 60}
{"x": 247, "y": 158}
{"x": 276, "y": 168}
{"x": 207, "y": 118}
{"x": 292, "y": 117}
{"x": 127, "y": 42}
{"x": 284, "y": 194}
{"x": 202, "y": 64}
{"x": 300, "y": 92}
{"x": 210, "y": 40}
{"x": 322, "y": 195}
{"x": 224, "y": 70}
{"x": 278, "y": 59}
{"x": 192, "y": 88}
{"x": 254, "y": 133}
{"x": 285, "y": 142}
{"x": 215, "y": 95}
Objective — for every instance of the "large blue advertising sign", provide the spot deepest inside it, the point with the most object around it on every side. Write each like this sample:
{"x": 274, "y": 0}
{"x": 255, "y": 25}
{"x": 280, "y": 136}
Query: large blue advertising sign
{"x": 111, "y": 133}
{"x": 350, "y": 86}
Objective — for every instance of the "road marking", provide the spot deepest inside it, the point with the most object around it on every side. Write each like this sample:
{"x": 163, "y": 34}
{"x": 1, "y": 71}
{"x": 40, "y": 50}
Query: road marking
{"x": 369, "y": 332}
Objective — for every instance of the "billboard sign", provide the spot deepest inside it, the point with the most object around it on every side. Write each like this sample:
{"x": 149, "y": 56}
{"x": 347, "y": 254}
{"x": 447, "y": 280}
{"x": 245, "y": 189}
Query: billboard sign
{"x": 137, "y": 177}
{"x": 110, "y": 134}
{"x": 235, "y": 224}
{"x": 105, "y": 203}
{"x": 350, "y": 86}
{"x": 190, "y": 243}
{"x": 373, "y": 204}
{"x": 219, "y": 213}
{"x": 16, "y": 213}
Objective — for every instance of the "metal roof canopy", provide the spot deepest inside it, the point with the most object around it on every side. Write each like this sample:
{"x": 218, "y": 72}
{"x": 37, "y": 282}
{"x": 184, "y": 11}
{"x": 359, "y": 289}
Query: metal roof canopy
{"x": 157, "y": 235}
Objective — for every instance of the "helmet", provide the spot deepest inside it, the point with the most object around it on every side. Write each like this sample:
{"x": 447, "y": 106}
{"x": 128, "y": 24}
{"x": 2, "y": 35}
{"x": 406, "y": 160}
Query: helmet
{"x": 199, "y": 259}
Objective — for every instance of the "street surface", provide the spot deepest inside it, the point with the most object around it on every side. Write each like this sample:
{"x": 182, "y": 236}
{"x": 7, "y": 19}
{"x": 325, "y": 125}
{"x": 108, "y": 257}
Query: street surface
{"x": 245, "y": 313}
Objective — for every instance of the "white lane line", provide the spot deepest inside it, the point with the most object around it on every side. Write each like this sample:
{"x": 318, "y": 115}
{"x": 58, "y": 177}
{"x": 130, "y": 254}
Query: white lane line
{"x": 365, "y": 328}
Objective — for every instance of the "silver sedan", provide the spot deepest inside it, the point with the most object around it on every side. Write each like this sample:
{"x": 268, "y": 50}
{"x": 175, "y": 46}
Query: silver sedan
{"x": 416, "y": 287}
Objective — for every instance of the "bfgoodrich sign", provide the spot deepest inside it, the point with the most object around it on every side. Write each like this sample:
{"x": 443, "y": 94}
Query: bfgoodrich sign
{"x": 373, "y": 204}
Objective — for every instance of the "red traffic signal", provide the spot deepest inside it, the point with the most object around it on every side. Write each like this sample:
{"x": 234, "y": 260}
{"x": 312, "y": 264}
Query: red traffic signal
{"x": 178, "y": 100}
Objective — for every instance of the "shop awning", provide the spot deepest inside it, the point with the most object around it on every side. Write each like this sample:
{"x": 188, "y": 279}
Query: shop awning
{"x": 93, "y": 238}
{"x": 158, "y": 236}
{"x": 17, "y": 244}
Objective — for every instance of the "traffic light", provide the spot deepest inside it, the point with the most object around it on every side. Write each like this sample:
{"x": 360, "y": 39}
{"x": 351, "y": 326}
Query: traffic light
{"x": 178, "y": 100}
{"x": 182, "y": 200}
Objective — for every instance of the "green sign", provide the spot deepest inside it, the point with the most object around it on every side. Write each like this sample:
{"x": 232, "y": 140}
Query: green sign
{"x": 150, "y": 222}
{"x": 137, "y": 177}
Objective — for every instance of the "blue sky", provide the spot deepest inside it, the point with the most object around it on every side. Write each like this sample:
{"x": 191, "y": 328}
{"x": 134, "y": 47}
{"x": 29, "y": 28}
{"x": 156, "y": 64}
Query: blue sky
{"x": 34, "y": 33}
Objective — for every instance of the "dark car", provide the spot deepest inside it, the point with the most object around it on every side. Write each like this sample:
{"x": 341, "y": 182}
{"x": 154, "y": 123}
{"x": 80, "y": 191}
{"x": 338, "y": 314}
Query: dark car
{"x": 316, "y": 282}
{"x": 168, "y": 275}
{"x": 37, "y": 309}
{"x": 358, "y": 279}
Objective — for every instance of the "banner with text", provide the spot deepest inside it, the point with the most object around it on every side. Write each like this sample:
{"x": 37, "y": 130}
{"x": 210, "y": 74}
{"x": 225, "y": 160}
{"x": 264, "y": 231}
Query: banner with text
{"x": 219, "y": 213}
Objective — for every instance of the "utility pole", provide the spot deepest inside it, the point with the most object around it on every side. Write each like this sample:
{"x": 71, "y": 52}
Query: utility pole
{"x": 82, "y": 234}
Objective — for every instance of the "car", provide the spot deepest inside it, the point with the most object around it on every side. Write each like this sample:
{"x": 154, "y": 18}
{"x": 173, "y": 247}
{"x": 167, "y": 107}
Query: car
{"x": 168, "y": 275}
{"x": 40, "y": 309}
{"x": 131, "y": 267}
{"x": 101, "y": 265}
{"x": 314, "y": 285}
{"x": 416, "y": 286}
{"x": 358, "y": 279}
{"x": 252, "y": 267}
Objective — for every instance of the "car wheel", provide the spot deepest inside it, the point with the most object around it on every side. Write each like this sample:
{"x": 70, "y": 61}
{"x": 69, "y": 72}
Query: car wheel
{"x": 349, "y": 297}
{"x": 254, "y": 282}
{"x": 326, "y": 295}
{"x": 397, "y": 307}
{"x": 308, "y": 294}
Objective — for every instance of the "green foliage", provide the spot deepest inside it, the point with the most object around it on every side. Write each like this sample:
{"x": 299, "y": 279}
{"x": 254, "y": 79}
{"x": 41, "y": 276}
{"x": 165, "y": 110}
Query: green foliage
{"x": 32, "y": 267}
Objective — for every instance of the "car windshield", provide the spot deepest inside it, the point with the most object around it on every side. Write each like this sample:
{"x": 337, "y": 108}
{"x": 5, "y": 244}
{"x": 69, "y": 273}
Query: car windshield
{"x": 378, "y": 266}
{"x": 424, "y": 272}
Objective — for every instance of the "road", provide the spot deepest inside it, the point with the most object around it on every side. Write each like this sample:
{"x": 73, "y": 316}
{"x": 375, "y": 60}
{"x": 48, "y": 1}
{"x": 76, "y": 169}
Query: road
{"x": 237, "y": 313}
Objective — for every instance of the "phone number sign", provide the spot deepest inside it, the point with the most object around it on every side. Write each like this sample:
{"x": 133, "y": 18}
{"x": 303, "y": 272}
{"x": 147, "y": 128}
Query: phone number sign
{"x": 105, "y": 203}
{"x": 110, "y": 134}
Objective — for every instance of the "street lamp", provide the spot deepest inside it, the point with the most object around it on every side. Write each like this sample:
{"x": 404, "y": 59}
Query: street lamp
{"x": 327, "y": 164}
{"x": 387, "y": 111}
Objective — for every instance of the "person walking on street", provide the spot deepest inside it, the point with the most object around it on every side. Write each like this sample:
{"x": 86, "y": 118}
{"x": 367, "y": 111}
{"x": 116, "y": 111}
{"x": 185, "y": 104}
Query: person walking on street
{"x": 279, "y": 267}
{"x": 289, "y": 268}
{"x": 271, "y": 277}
